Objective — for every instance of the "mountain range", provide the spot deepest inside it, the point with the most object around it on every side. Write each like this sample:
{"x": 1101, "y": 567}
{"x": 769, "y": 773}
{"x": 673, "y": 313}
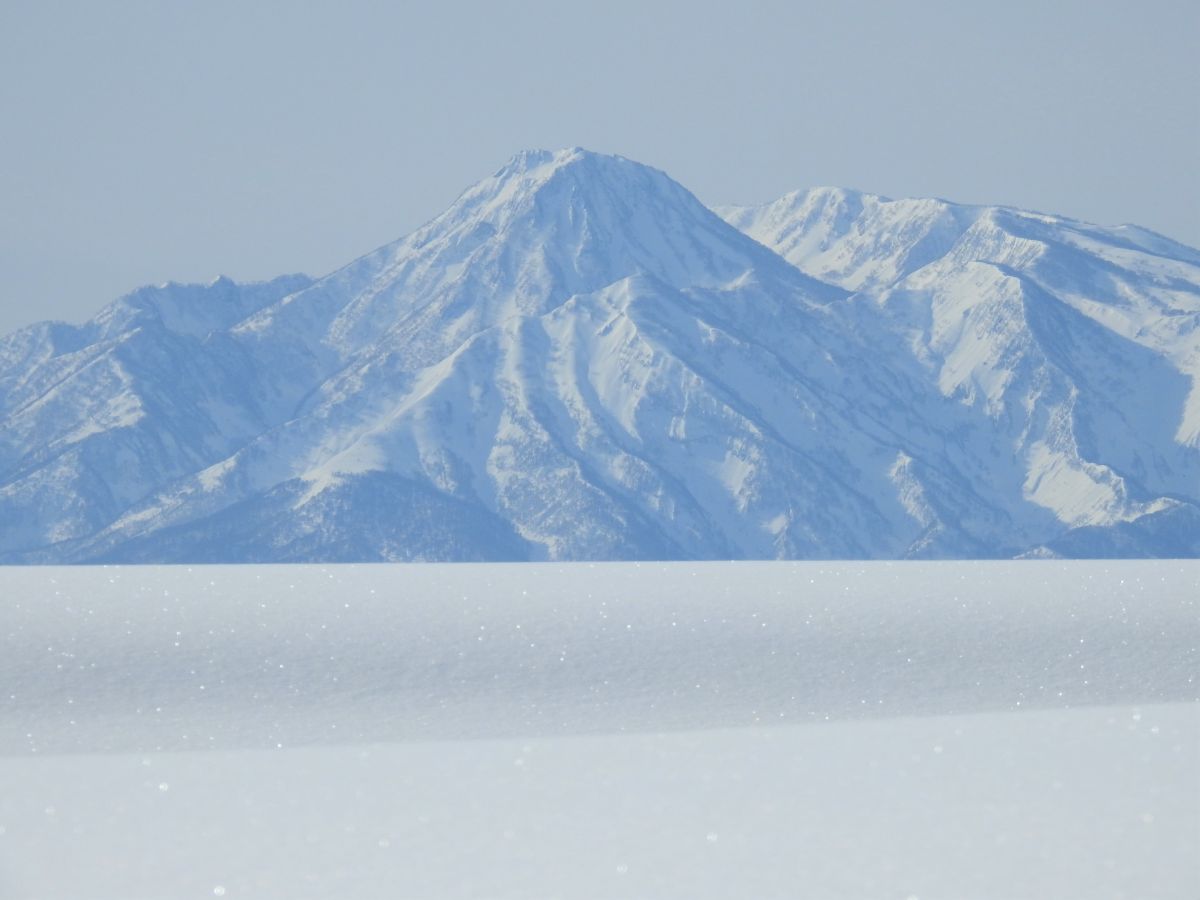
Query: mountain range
{"x": 580, "y": 360}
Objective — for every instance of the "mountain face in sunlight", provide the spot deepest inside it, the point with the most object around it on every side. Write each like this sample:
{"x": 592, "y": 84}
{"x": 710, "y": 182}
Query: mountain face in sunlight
{"x": 579, "y": 360}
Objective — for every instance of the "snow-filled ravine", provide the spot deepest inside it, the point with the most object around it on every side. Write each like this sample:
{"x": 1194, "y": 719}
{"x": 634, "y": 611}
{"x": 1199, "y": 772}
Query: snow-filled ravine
{"x": 864, "y": 730}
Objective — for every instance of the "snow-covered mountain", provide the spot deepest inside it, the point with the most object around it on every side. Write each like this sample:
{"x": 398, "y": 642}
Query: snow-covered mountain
{"x": 579, "y": 360}
{"x": 1078, "y": 344}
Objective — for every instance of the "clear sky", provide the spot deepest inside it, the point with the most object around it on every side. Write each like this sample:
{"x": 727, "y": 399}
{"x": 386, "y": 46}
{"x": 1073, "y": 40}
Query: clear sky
{"x": 147, "y": 141}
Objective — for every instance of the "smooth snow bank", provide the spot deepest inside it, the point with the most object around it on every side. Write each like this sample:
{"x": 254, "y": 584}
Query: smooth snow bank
{"x": 996, "y": 730}
{"x": 150, "y": 658}
{"x": 1085, "y": 804}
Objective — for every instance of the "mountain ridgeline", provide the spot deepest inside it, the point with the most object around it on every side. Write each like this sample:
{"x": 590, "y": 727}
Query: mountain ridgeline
{"x": 579, "y": 360}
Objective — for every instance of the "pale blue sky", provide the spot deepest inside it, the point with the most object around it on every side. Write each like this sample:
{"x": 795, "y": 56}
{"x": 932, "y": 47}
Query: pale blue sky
{"x": 150, "y": 141}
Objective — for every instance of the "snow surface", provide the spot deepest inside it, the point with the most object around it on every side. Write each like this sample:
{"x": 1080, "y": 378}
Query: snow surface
{"x": 868, "y": 730}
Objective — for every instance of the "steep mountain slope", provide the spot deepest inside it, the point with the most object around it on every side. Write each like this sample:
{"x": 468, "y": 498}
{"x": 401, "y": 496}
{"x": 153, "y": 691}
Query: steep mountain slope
{"x": 1079, "y": 344}
{"x": 96, "y": 416}
{"x": 542, "y": 352}
{"x": 579, "y": 360}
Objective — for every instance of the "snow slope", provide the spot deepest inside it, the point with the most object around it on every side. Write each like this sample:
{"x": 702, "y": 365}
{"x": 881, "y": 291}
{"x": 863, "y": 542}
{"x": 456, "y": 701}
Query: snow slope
{"x": 1078, "y": 342}
{"x": 578, "y": 360}
{"x": 863, "y": 730}
{"x": 148, "y": 391}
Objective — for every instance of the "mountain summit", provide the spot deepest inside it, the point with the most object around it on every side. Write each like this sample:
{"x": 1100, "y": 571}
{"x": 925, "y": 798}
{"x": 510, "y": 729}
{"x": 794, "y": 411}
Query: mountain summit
{"x": 579, "y": 360}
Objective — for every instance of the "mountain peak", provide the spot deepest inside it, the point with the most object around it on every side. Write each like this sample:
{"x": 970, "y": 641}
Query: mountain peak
{"x": 546, "y": 226}
{"x": 593, "y": 218}
{"x": 531, "y": 172}
{"x": 532, "y": 160}
{"x": 547, "y": 162}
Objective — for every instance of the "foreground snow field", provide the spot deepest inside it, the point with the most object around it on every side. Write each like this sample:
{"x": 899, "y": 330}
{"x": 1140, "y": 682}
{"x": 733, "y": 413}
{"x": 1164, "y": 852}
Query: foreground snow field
{"x": 940, "y": 730}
